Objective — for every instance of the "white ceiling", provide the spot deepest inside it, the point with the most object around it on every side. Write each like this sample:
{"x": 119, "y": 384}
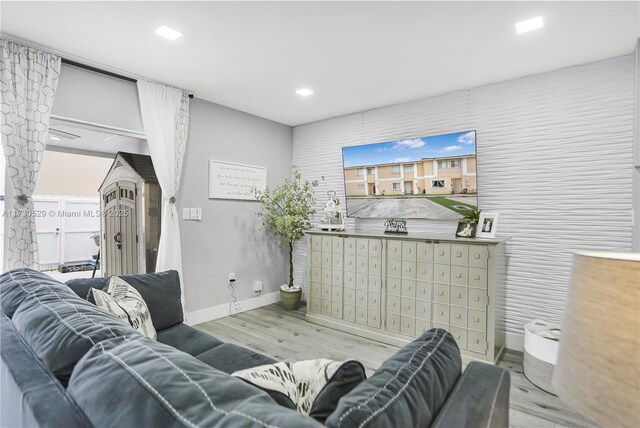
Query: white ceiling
{"x": 252, "y": 56}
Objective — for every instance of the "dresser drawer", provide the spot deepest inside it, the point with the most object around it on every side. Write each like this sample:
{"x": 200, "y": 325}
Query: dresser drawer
{"x": 408, "y": 307}
{"x": 362, "y": 247}
{"x": 459, "y": 255}
{"x": 326, "y": 306}
{"x": 375, "y": 283}
{"x": 375, "y": 266}
{"x": 316, "y": 305}
{"x": 441, "y": 313}
{"x": 423, "y": 310}
{"x": 361, "y": 315}
{"x": 374, "y": 301}
{"x": 337, "y": 261}
{"x": 362, "y": 280}
{"x": 362, "y": 264}
{"x": 458, "y": 316}
{"x": 316, "y": 259}
{"x": 423, "y": 290}
{"x": 477, "y": 298}
{"x": 361, "y": 298}
{"x": 477, "y": 277}
{"x": 316, "y": 289}
{"x": 460, "y": 335}
{"x": 326, "y": 291}
{"x": 336, "y": 294}
{"x": 476, "y": 342}
{"x": 349, "y": 262}
{"x": 409, "y": 251}
{"x": 373, "y": 319}
{"x": 337, "y": 244}
{"x": 326, "y": 276}
{"x": 478, "y": 256}
{"x": 393, "y": 304}
{"x": 393, "y": 322}
{"x": 458, "y": 295}
{"x": 408, "y": 269}
{"x": 422, "y": 326}
{"x": 441, "y": 273}
{"x": 477, "y": 320}
{"x": 441, "y": 293}
{"x": 424, "y": 252}
{"x": 349, "y": 313}
{"x": 327, "y": 245}
{"x": 375, "y": 250}
{"x": 316, "y": 243}
{"x": 440, "y": 326}
{"x": 459, "y": 275}
{"x": 408, "y": 288}
{"x": 336, "y": 277}
{"x": 442, "y": 253}
{"x": 336, "y": 309}
{"x": 349, "y": 279}
{"x": 394, "y": 268}
{"x": 424, "y": 271}
{"x": 349, "y": 296}
{"x": 394, "y": 249}
{"x": 326, "y": 260}
{"x": 394, "y": 285}
{"x": 407, "y": 326}
{"x": 350, "y": 246}
{"x": 316, "y": 274}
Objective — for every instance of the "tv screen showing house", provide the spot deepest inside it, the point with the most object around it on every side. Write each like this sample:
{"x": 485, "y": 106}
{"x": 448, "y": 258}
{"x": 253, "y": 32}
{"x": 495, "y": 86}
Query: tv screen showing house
{"x": 427, "y": 177}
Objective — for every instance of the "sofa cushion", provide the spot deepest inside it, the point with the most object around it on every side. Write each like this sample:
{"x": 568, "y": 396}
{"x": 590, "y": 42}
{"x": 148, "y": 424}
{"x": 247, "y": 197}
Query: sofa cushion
{"x": 407, "y": 390}
{"x": 188, "y": 339}
{"x": 61, "y": 329}
{"x": 230, "y": 358}
{"x": 126, "y": 303}
{"x": 149, "y": 384}
{"x": 18, "y": 285}
{"x": 161, "y": 292}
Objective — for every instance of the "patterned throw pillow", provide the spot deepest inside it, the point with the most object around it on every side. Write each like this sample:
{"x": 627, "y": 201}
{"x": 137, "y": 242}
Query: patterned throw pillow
{"x": 313, "y": 386}
{"x": 126, "y": 303}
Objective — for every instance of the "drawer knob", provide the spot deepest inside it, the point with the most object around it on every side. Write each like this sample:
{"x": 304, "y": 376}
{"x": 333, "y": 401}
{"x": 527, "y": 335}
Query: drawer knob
{"x": 459, "y": 296}
{"x": 441, "y": 313}
{"x": 477, "y": 299}
{"x": 394, "y": 250}
{"x": 459, "y": 275}
{"x": 477, "y": 341}
{"x": 374, "y": 317}
{"x": 477, "y": 277}
{"x": 458, "y": 254}
{"x": 441, "y": 273}
{"x": 477, "y": 256}
{"x": 457, "y": 337}
{"x": 409, "y": 250}
{"x": 477, "y": 319}
{"x": 408, "y": 269}
{"x": 457, "y": 316}
{"x": 408, "y": 306}
{"x": 393, "y": 322}
{"x": 442, "y": 253}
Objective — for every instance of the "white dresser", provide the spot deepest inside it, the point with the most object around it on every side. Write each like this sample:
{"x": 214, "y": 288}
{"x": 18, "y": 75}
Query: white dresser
{"x": 392, "y": 288}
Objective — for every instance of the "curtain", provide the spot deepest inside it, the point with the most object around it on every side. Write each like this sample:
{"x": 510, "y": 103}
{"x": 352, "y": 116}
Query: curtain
{"x": 28, "y": 78}
{"x": 165, "y": 115}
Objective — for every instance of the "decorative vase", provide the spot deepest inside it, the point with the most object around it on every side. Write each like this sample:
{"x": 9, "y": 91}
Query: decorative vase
{"x": 291, "y": 299}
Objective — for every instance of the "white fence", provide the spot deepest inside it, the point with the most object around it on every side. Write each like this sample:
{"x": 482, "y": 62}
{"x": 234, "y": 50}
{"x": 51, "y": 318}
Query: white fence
{"x": 64, "y": 225}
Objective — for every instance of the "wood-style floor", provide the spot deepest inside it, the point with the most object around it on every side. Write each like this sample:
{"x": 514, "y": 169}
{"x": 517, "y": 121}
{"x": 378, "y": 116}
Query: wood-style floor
{"x": 285, "y": 335}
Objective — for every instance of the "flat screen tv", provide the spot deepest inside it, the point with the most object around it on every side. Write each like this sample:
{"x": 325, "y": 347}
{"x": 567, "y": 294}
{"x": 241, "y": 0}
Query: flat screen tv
{"x": 417, "y": 178}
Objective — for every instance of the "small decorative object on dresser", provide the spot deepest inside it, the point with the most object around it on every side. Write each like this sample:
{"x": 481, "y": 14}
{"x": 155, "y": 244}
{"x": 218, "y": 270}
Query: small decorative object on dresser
{"x": 467, "y": 225}
{"x": 396, "y": 225}
{"x": 333, "y": 219}
{"x": 286, "y": 210}
{"x": 487, "y": 225}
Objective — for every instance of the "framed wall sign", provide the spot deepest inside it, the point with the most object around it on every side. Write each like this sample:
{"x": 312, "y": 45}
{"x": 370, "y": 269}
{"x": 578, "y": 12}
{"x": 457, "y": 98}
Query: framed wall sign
{"x": 229, "y": 180}
{"x": 487, "y": 225}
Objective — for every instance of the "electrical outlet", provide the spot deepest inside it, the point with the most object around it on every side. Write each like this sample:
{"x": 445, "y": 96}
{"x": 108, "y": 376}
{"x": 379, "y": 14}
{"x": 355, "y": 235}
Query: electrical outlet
{"x": 257, "y": 286}
{"x": 232, "y": 276}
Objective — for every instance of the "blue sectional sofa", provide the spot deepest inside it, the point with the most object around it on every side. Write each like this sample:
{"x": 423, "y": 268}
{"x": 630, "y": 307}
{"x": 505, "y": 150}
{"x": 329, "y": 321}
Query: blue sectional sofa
{"x": 66, "y": 363}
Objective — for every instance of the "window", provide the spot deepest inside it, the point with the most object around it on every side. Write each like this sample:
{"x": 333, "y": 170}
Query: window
{"x": 395, "y": 186}
{"x": 395, "y": 170}
{"x": 362, "y": 171}
{"x": 408, "y": 168}
{"x": 360, "y": 187}
{"x": 437, "y": 184}
{"x": 442, "y": 165}
{"x": 455, "y": 164}
{"x": 371, "y": 171}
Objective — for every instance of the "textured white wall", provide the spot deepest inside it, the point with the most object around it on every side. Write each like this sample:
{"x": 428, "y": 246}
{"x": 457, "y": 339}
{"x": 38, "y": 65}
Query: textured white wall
{"x": 554, "y": 159}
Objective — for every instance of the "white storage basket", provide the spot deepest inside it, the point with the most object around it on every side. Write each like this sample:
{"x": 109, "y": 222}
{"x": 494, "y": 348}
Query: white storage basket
{"x": 541, "y": 341}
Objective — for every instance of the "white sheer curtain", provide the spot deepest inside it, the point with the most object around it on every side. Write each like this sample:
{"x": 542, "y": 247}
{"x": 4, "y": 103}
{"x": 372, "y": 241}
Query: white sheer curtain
{"x": 165, "y": 115}
{"x": 29, "y": 78}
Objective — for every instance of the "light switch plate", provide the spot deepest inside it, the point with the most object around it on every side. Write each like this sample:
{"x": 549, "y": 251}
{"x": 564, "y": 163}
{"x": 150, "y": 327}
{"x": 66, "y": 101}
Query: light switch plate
{"x": 194, "y": 213}
{"x": 186, "y": 215}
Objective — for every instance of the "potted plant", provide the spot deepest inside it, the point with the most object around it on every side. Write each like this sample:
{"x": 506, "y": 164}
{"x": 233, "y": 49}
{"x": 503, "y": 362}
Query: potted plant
{"x": 287, "y": 210}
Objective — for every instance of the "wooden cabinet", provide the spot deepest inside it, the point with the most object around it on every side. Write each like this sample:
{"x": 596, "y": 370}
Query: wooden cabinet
{"x": 392, "y": 288}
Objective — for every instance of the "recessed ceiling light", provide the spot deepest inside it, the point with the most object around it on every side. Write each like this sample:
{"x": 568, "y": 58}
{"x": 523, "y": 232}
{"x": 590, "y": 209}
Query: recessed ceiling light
{"x": 529, "y": 25}
{"x": 168, "y": 33}
{"x": 304, "y": 92}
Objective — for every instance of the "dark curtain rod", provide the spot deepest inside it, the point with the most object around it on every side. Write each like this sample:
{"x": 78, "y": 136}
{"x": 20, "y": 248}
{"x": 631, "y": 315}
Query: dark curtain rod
{"x": 99, "y": 70}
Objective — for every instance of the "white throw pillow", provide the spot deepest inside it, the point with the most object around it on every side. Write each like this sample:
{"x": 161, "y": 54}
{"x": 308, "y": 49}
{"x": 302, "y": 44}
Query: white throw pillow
{"x": 126, "y": 303}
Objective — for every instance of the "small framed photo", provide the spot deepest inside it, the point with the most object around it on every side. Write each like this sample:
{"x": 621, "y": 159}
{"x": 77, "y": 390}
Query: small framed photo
{"x": 487, "y": 225}
{"x": 466, "y": 230}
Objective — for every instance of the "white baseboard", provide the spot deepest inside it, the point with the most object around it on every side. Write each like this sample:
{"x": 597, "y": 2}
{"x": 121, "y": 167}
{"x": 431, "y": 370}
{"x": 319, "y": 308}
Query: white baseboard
{"x": 514, "y": 341}
{"x": 221, "y": 311}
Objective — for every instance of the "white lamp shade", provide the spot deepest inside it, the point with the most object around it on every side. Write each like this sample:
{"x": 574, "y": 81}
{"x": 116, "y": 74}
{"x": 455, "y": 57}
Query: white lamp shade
{"x": 598, "y": 370}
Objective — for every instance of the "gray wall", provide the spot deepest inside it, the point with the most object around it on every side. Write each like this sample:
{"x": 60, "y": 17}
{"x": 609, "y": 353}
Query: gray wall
{"x": 554, "y": 159}
{"x": 229, "y": 238}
